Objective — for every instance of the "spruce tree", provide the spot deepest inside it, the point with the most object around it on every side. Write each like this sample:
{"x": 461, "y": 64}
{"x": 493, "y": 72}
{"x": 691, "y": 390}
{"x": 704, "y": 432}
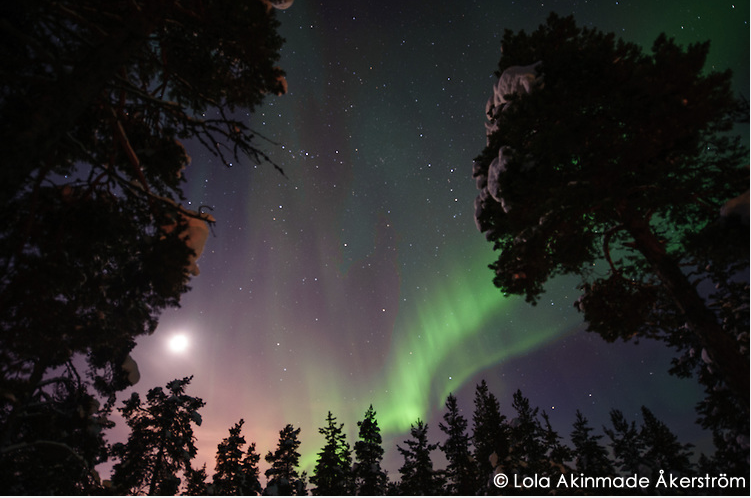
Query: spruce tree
{"x": 590, "y": 457}
{"x": 333, "y": 473}
{"x": 528, "y": 452}
{"x": 161, "y": 443}
{"x": 627, "y": 446}
{"x": 195, "y": 482}
{"x": 250, "y": 469}
{"x": 461, "y": 471}
{"x": 662, "y": 450}
{"x": 235, "y": 475}
{"x": 283, "y": 476}
{"x": 558, "y": 454}
{"x": 370, "y": 478}
{"x": 489, "y": 436}
{"x": 417, "y": 474}
{"x": 650, "y": 449}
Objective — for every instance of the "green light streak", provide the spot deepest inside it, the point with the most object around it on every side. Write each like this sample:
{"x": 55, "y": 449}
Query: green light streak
{"x": 441, "y": 339}
{"x": 463, "y": 327}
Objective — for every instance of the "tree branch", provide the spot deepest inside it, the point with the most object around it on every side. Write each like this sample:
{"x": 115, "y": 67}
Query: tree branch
{"x": 606, "y": 247}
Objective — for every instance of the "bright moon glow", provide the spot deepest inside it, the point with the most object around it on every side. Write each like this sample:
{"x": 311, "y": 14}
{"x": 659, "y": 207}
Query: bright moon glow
{"x": 178, "y": 343}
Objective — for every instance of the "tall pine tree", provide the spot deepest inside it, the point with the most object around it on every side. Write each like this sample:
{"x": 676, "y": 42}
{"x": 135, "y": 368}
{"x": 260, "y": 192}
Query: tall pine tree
{"x": 528, "y": 452}
{"x": 370, "y": 478}
{"x": 489, "y": 436}
{"x": 590, "y": 457}
{"x": 417, "y": 474}
{"x": 558, "y": 453}
{"x": 333, "y": 473}
{"x": 461, "y": 471}
{"x": 662, "y": 450}
{"x": 250, "y": 470}
{"x": 236, "y": 475}
{"x": 161, "y": 443}
{"x": 628, "y": 447}
{"x": 283, "y": 476}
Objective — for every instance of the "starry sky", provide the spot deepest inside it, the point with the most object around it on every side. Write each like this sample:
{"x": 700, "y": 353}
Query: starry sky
{"x": 360, "y": 278}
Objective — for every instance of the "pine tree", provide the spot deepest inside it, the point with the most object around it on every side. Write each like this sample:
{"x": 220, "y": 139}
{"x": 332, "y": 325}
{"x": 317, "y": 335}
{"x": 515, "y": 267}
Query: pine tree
{"x": 417, "y": 473}
{"x": 333, "y": 472}
{"x": 590, "y": 457}
{"x": 461, "y": 471}
{"x": 648, "y": 450}
{"x": 627, "y": 165}
{"x": 558, "y": 454}
{"x": 250, "y": 469}
{"x": 283, "y": 477}
{"x": 489, "y": 436}
{"x": 161, "y": 443}
{"x": 662, "y": 450}
{"x": 195, "y": 482}
{"x": 370, "y": 478}
{"x": 627, "y": 446}
{"x": 528, "y": 453}
{"x": 236, "y": 475}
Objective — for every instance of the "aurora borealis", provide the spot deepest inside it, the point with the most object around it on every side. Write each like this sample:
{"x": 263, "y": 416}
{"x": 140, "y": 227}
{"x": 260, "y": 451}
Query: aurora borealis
{"x": 360, "y": 278}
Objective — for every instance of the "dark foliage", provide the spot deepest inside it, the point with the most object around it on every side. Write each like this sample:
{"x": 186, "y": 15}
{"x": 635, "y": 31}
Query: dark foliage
{"x": 490, "y": 436}
{"x": 236, "y": 471}
{"x": 614, "y": 167}
{"x": 283, "y": 476}
{"x": 370, "y": 478}
{"x": 95, "y": 99}
{"x": 161, "y": 443}
{"x": 589, "y": 456}
{"x": 332, "y": 474}
{"x": 417, "y": 473}
{"x": 461, "y": 471}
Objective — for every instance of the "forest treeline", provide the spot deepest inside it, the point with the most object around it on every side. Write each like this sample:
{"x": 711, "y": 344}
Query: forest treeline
{"x": 158, "y": 456}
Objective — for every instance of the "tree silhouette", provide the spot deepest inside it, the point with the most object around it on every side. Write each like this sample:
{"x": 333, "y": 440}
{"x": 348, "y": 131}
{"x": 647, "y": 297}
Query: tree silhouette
{"x": 649, "y": 450}
{"x": 161, "y": 443}
{"x": 96, "y": 98}
{"x": 489, "y": 435}
{"x": 57, "y": 443}
{"x": 627, "y": 446}
{"x": 528, "y": 450}
{"x": 590, "y": 457}
{"x": 195, "y": 482}
{"x": 250, "y": 469}
{"x": 558, "y": 454}
{"x": 599, "y": 154}
{"x": 283, "y": 477}
{"x": 663, "y": 451}
{"x": 461, "y": 471}
{"x": 332, "y": 474}
{"x": 417, "y": 473}
{"x": 235, "y": 474}
{"x": 370, "y": 478}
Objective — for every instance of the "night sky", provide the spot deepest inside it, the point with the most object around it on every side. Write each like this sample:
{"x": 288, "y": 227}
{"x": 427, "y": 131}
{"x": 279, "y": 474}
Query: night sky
{"x": 361, "y": 277}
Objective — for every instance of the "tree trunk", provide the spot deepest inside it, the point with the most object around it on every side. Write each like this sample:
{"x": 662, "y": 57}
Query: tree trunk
{"x": 722, "y": 348}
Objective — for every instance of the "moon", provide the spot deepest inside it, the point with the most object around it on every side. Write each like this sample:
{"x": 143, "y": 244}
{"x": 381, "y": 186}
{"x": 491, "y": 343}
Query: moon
{"x": 178, "y": 343}
{"x": 281, "y": 4}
